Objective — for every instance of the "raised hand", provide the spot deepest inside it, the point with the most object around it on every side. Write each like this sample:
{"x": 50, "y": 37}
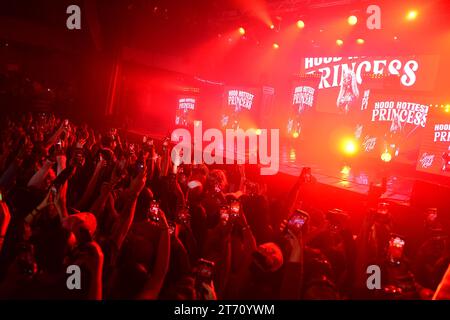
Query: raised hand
{"x": 138, "y": 183}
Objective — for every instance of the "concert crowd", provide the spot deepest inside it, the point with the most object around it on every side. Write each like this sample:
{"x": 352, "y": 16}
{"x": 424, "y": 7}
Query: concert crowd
{"x": 114, "y": 209}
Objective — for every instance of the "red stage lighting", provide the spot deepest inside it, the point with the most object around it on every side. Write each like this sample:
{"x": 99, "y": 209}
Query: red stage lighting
{"x": 349, "y": 146}
{"x": 300, "y": 24}
{"x": 386, "y": 156}
{"x": 258, "y": 132}
{"x": 447, "y": 108}
{"x": 412, "y": 15}
{"x": 272, "y": 26}
{"x": 360, "y": 41}
{"x": 241, "y": 30}
{"x": 352, "y": 20}
{"x": 275, "y": 45}
{"x": 295, "y": 135}
{"x": 339, "y": 42}
{"x": 345, "y": 170}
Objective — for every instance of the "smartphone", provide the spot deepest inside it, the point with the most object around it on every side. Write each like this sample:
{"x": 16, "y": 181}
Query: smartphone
{"x": 171, "y": 227}
{"x": 224, "y": 214}
{"x": 153, "y": 213}
{"x": 205, "y": 270}
{"x": 396, "y": 246}
{"x": 66, "y": 123}
{"x": 194, "y": 184}
{"x": 235, "y": 208}
{"x": 131, "y": 148}
{"x": 1, "y": 196}
{"x": 297, "y": 221}
{"x": 139, "y": 167}
{"x": 184, "y": 217}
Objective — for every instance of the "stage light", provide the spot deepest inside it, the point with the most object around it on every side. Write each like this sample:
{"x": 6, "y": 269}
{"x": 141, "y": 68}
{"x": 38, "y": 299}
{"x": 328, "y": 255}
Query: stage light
{"x": 197, "y": 123}
{"x": 447, "y": 108}
{"x": 292, "y": 155}
{"x": 360, "y": 41}
{"x": 345, "y": 170}
{"x": 275, "y": 45}
{"x": 386, "y": 156}
{"x": 352, "y": 20}
{"x": 339, "y": 42}
{"x": 349, "y": 146}
{"x": 412, "y": 15}
{"x": 241, "y": 30}
{"x": 300, "y": 24}
{"x": 395, "y": 38}
{"x": 272, "y": 26}
{"x": 258, "y": 132}
{"x": 295, "y": 135}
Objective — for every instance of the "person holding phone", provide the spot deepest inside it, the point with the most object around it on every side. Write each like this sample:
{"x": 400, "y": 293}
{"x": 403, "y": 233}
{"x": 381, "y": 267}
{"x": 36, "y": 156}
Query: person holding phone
{"x": 204, "y": 283}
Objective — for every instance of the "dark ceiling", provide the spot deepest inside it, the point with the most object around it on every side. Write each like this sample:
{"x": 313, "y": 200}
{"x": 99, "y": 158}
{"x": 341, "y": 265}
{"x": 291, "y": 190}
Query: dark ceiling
{"x": 174, "y": 25}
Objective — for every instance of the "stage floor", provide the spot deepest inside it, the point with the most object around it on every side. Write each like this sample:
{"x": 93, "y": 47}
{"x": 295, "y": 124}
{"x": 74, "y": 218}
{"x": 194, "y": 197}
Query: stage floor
{"x": 345, "y": 176}
{"x": 359, "y": 173}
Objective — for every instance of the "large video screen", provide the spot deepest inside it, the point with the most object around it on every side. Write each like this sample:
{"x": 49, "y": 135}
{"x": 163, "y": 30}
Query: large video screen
{"x": 184, "y": 113}
{"x": 304, "y": 93}
{"x": 434, "y": 155}
{"x": 343, "y": 84}
{"x": 239, "y": 107}
{"x": 395, "y": 123}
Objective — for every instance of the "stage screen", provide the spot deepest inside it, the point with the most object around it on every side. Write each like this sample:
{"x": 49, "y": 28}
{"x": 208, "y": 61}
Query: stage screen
{"x": 240, "y": 98}
{"x": 435, "y": 149}
{"x": 342, "y": 86}
{"x": 395, "y": 123}
{"x": 186, "y": 103}
{"x": 240, "y": 106}
{"x": 304, "y": 93}
{"x": 184, "y": 113}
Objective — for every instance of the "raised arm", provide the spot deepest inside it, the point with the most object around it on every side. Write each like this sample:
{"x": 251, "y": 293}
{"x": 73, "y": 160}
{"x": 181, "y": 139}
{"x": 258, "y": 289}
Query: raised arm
{"x": 122, "y": 225}
{"x": 52, "y": 140}
{"x": 153, "y": 285}
{"x": 38, "y": 178}
{"x": 99, "y": 204}
{"x": 292, "y": 282}
{"x": 91, "y": 185}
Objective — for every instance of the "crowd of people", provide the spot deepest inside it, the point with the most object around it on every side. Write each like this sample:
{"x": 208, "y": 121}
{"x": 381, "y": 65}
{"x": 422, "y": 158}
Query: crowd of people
{"x": 140, "y": 227}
